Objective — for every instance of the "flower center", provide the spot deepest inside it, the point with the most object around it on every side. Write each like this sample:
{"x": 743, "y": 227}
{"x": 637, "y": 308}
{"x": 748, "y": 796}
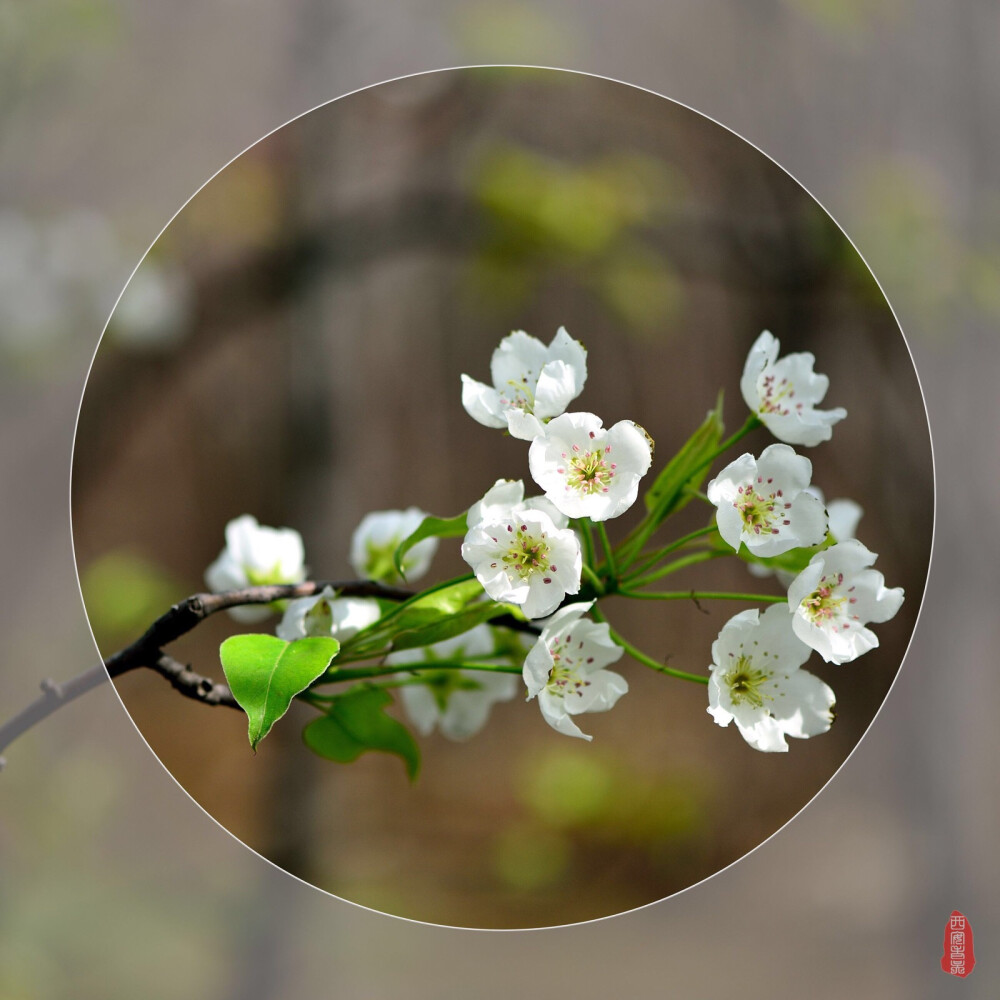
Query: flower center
{"x": 824, "y": 603}
{"x": 518, "y": 395}
{"x": 762, "y": 512}
{"x": 263, "y": 577}
{"x": 527, "y": 552}
{"x": 773, "y": 395}
{"x": 745, "y": 683}
{"x": 589, "y": 471}
{"x": 565, "y": 677}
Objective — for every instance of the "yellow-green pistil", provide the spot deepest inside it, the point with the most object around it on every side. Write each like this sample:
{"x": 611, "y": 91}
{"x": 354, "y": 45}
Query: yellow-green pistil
{"x": 527, "y": 553}
{"x": 761, "y": 512}
{"x": 823, "y": 604}
{"x": 745, "y": 682}
{"x": 589, "y": 471}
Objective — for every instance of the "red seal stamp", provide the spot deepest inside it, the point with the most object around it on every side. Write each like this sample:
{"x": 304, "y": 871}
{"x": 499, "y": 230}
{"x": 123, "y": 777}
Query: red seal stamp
{"x": 958, "y": 957}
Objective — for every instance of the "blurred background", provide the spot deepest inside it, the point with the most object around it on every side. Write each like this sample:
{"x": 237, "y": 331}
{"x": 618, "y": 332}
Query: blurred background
{"x": 114, "y": 883}
{"x": 340, "y": 276}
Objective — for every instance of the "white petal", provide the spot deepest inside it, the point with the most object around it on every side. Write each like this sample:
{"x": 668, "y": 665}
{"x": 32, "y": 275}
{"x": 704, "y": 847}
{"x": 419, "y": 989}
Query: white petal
{"x": 556, "y": 389}
{"x": 537, "y": 666}
{"x": 523, "y": 425}
{"x": 565, "y": 348}
{"x": 764, "y": 352}
{"x": 225, "y": 574}
{"x": 482, "y": 403}
{"x": 843, "y": 515}
{"x": 604, "y": 690}
{"x": 804, "y": 705}
{"x": 765, "y": 734}
{"x": 784, "y": 465}
{"x": 421, "y": 707}
{"x": 499, "y": 500}
{"x": 554, "y": 713}
{"x": 518, "y": 359}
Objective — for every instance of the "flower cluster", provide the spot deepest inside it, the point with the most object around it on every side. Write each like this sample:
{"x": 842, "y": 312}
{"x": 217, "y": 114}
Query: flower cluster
{"x": 541, "y": 564}
{"x": 768, "y": 506}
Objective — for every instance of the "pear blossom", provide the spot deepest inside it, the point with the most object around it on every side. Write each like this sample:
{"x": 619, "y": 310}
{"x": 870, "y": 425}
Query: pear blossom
{"x": 834, "y": 597}
{"x": 764, "y": 504}
{"x": 565, "y": 669}
{"x": 531, "y": 383}
{"x": 326, "y": 614}
{"x": 457, "y": 701}
{"x": 756, "y": 680}
{"x": 587, "y": 471}
{"x": 521, "y": 557}
{"x": 256, "y": 555}
{"x": 503, "y": 496}
{"x": 376, "y": 539}
{"x": 783, "y": 393}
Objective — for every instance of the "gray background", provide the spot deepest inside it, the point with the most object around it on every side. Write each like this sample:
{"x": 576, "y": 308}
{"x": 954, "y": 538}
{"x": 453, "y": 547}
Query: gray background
{"x": 114, "y": 884}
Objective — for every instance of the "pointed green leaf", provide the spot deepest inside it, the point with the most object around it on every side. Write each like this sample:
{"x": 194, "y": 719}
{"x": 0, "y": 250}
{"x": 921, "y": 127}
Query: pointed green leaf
{"x": 687, "y": 469}
{"x": 265, "y": 673}
{"x": 355, "y": 723}
{"x": 448, "y": 626}
{"x": 430, "y": 527}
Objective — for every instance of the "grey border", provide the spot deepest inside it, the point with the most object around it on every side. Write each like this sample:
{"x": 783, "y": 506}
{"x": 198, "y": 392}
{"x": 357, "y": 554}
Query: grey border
{"x": 923, "y": 398}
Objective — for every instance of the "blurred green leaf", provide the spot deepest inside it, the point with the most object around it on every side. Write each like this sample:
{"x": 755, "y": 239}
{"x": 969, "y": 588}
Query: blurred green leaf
{"x": 356, "y": 723}
{"x": 687, "y": 469}
{"x": 123, "y": 593}
{"x": 430, "y": 527}
{"x": 265, "y": 673}
{"x": 448, "y": 626}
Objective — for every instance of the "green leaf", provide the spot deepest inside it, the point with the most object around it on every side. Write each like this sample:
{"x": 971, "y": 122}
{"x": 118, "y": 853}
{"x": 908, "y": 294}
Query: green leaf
{"x": 448, "y": 626}
{"x": 430, "y": 527}
{"x": 687, "y": 469}
{"x": 265, "y": 673}
{"x": 451, "y": 598}
{"x": 356, "y": 723}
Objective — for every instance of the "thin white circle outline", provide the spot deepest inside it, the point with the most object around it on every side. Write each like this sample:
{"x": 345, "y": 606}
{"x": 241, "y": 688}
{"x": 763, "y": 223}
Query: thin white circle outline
{"x": 923, "y": 399}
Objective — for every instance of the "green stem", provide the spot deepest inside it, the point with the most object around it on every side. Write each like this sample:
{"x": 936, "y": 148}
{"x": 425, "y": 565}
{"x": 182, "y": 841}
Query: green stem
{"x": 631, "y": 549}
{"x": 640, "y": 656}
{"x": 334, "y": 676}
{"x": 705, "y": 555}
{"x": 593, "y": 578}
{"x": 667, "y": 549}
{"x": 701, "y": 595}
{"x": 583, "y": 523}
{"x": 609, "y": 552}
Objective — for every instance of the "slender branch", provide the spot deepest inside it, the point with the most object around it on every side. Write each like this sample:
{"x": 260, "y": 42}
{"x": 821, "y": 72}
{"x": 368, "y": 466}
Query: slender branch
{"x": 701, "y": 595}
{"x": 147, "y": 651}
{"x": 656, "y": 556}
{"x": 187, "y": 614}
{"x": 53, "y": 697}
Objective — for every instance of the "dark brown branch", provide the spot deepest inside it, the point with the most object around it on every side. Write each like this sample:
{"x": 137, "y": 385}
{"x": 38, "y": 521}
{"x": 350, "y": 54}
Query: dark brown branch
{"x": 147, "y": 650}
{"x": 183, "y": 617}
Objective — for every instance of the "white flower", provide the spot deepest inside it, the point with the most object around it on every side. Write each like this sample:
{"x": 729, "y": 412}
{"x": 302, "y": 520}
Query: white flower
{"x": 587, "y": 471}
{"x": 256, "y": 555}
{"x": 376, "y": 539}
{"x": 565, "y": 669}
{"x": 755, "y": 679}
{"x": 833, "y": 598}
{"x": 843, "y": 516}
{"x": 501, "y": 499}
{"x": 531, "y": 383}
{"x": 783, "y": 393}
{"x": 327, "y": 614}
{"x": 523, "y": 558}
{"x": 764, "y": 503}
{"x": 457, "y": 701}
